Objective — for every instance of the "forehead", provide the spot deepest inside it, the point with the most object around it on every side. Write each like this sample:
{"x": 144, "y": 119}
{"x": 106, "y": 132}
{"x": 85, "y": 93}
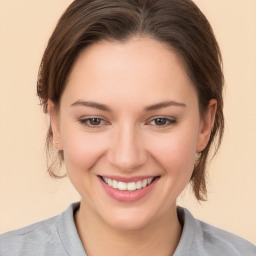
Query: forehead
{"x": 140, "y": 67}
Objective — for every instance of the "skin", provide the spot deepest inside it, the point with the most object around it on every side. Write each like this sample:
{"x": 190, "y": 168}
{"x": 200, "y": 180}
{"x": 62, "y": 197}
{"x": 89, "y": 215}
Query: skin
{"x": 127, "y": 141}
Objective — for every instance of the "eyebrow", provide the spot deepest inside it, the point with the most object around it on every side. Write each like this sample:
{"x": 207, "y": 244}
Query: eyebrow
{"x": 91, "y": 105}
{"x": 103, "y": 107}
{"x": 164, "y": 105}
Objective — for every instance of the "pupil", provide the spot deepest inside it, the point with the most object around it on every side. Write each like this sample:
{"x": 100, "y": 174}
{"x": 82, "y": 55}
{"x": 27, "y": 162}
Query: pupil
{"x": 160, "y": 121}
{"x": 95, "y": 121}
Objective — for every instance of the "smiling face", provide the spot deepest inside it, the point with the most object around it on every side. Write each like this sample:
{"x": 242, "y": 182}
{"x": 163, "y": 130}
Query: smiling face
{"x": 129, "y": 127}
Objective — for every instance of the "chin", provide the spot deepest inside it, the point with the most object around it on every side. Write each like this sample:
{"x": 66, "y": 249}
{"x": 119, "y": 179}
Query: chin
{"x": 129, "y": 219}
{"x": 129, "y": 222}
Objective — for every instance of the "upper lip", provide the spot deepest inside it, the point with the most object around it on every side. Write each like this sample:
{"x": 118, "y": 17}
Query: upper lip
{"x": 129, "y": 179}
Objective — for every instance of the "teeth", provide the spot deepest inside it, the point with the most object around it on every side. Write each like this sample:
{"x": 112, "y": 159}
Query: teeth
{"x": 114, "y": 184}
{"x": 130, "y": 186}
{"x": 144, "y": 183}
{"x": 150, "y": 180}
{"x": 110, "y": 182}
{"x": 139, "y": 184}
{"x": 122, "y": 185}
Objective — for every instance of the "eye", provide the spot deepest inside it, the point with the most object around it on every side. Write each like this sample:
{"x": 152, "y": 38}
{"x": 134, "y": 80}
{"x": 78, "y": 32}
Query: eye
{"x": 161, "y": 121}
{"x": 92, "y": 122}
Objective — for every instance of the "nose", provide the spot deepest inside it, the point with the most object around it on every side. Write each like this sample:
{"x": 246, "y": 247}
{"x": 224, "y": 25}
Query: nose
{"x": 127, "y": 151}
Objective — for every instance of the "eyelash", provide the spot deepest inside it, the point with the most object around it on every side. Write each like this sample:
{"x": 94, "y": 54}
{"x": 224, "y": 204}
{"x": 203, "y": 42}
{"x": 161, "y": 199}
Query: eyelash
{"x": 87, "y": 121}
{"x": 168, "y": 122}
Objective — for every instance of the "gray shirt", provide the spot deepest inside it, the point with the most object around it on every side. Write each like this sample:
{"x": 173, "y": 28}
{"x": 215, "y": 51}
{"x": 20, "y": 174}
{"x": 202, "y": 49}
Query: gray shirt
{"x": 58, "y": 236}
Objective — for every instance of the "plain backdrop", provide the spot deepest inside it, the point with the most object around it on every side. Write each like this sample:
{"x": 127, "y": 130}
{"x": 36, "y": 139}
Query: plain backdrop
{"x": 28, "y": 194}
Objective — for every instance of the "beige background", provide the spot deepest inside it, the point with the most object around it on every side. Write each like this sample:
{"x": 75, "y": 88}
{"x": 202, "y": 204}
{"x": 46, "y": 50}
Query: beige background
{"x": 28, "y": 195}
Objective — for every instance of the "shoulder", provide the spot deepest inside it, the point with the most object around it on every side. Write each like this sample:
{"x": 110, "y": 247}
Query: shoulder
{"x": 28, "y": 240}
{"x": 207, "y": 240}
{"x": 224, "y": 243}
{"x": 55, "y": 236}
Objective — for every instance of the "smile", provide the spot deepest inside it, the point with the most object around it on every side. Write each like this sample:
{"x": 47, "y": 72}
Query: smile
{"x": 128, "y": 189}
{"x": 128, "y": 186}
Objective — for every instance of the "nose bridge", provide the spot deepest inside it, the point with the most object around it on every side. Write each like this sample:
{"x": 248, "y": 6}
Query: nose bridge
{"x": 127, "y": 151}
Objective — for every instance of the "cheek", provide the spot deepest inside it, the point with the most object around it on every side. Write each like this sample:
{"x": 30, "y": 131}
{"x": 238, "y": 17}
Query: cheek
{"x": 176, "y": 157}
{"x": 175, "y": 152}
{"x": 81, "y": 150}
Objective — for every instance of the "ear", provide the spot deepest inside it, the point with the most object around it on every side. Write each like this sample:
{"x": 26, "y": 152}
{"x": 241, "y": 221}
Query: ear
{"x": 206, "y": 125}
{"x": 54, "y": 122}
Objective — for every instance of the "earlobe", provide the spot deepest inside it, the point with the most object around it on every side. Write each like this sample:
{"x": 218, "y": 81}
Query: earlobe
{"x": 206, "y": 125}
{"x": 54, "y": 122}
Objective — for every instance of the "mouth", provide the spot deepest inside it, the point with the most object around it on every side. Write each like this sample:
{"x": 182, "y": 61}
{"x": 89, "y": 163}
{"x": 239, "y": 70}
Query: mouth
{"x": 129, "y": 186}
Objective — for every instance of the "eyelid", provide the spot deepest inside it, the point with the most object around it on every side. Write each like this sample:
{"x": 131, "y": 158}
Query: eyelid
{"x": 83, "y": 121}
{"x": 170, "y": 121}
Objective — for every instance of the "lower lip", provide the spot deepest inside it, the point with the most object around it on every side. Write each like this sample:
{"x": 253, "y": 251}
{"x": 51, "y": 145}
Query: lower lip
{"x": 127, "y": 196}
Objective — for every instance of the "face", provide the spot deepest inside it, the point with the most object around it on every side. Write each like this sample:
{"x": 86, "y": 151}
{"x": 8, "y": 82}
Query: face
{"x": 129, "y": 127}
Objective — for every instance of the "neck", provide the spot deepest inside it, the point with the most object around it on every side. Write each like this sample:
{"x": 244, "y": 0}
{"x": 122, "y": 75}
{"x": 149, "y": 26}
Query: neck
{"x": 98, "y": 238}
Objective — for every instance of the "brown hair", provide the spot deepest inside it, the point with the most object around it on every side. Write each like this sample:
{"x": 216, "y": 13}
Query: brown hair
{"x": 178, "y": 23}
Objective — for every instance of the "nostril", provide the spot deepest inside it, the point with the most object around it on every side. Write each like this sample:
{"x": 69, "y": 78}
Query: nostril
{"x": 126, "y": 160}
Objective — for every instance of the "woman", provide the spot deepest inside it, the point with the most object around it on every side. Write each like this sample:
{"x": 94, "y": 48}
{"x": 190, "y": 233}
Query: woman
{"x": 133, "y": 89}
